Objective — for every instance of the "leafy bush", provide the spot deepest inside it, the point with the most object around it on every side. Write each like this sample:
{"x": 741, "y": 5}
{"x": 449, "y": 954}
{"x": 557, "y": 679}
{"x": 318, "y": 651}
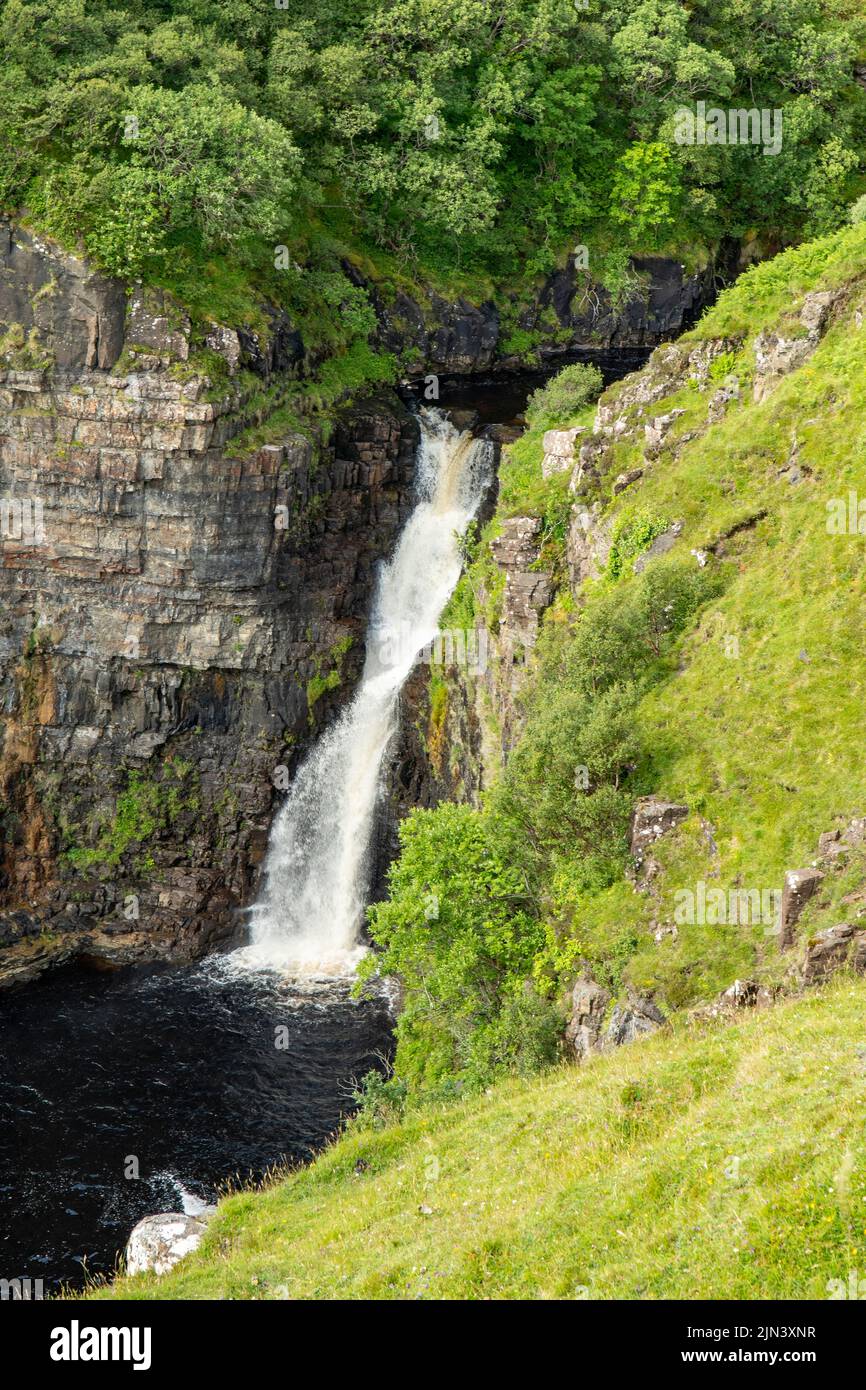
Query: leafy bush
{"x": 460, "y": 931}
{"x": 439, "y": 132}
{"x": 632, "y": 535}
{"x": 564, "y": 395}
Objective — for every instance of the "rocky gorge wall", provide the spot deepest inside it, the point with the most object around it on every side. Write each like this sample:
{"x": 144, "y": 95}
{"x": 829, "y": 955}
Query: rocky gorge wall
{"x": 177, "y": 623}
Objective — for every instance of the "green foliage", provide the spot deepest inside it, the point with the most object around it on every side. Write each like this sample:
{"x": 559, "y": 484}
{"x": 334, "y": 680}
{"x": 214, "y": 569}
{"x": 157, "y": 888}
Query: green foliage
{"x": 564, "y": 395}
{"x": 633, "y": 534}
{"x": 146, "y": 806}
{"x": 323, "y": 681}
{"x": 439, "y": 132}
{"x": 458, "y": 929}
{"x": 645, "y": 193}
{"x": 23, "y": 351}
{"x": 479, "y": 903}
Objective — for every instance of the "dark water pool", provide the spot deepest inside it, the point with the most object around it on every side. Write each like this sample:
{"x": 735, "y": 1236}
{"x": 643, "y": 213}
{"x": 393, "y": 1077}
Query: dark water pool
{"x": 176, "y": 1069}
{"x": 500, "y": 397}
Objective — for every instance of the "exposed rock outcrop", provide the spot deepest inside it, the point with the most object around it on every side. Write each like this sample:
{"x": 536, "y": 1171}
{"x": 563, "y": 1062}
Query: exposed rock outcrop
{"x": 559, "y": 450}
{"x": 590, "y": 538}
{"x": 588, "y": 1008}
{"x": 800, "y": 885}
{"x": 777, "y": 354}
{"x": 637, "y": 1018}
{"x": 78, "y": 314}
{"x": 571, "y": 310}
{"x": 832, "y": 949}
{"x": 653, "y": 817}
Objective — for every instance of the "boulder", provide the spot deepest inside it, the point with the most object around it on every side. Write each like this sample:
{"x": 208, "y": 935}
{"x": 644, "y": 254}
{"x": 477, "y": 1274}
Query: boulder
{"x": 528, "y": 591}
{"x": 800, "y": 886}
{"x": 742, "y": 994}
{"x": 159, "y": 1242}
{"x": 588, "y": 1007}
{"x": 831, "y": 949}
{"x": 721, "y": 399}
{"x": 651, "y": 818}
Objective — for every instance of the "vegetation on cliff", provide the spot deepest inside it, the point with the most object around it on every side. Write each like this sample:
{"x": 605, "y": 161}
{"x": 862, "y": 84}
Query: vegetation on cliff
{"x": 724, "y": 675}
{"x": 715, "y": 660}
{"x": 218, "y": 149}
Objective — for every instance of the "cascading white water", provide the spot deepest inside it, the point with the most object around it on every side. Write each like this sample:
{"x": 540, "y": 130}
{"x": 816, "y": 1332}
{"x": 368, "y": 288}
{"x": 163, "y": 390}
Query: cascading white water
{"x": 308, "y": 919}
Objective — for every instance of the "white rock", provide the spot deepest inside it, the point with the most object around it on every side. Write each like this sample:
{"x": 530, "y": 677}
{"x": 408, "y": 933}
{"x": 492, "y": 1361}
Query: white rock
{"x": 158, "y": 1242}
{"x": 559, "y": 450}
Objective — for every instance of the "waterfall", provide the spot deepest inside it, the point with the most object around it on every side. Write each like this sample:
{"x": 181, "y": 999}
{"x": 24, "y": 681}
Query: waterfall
{"x": 308, "y": 918}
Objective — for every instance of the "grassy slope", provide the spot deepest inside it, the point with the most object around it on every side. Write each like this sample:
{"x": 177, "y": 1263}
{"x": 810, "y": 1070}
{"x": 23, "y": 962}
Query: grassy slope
{"x": 614, "y": 1181}
{"x": 765, "y": 746}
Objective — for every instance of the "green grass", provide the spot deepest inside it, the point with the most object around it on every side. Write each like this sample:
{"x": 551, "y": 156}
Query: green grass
{"x": 711, "y": 1162}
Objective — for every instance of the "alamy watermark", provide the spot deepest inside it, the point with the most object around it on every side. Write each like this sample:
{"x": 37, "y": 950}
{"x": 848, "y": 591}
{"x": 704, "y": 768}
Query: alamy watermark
{"x": 21, "y": 519}
{"x": 711, "y": 906}
{"x": 846, "y": 516}
{"x": 733, "y": 126}
{"x": 21, "y": 1290}
{"x": 852, "y": 1287}
{"x": 395, "y": 645}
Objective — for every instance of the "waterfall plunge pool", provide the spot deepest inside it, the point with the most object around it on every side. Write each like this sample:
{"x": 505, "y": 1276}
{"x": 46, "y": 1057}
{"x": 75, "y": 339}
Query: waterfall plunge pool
{"x": 178, "y": 1074}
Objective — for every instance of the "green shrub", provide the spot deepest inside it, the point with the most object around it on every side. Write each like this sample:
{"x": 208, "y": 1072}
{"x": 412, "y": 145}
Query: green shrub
{"x": 564, "y": 395}
{"x": 459, "y": 930}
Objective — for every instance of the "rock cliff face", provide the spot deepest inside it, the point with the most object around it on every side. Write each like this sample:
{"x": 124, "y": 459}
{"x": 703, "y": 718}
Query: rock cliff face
{"x": 178, "y": 622}
{"x": 570, "y": 310}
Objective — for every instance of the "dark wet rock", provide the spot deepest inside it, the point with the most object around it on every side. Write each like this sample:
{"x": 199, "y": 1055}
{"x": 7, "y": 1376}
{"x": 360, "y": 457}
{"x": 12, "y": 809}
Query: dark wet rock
{"x": 186, "y": 599}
